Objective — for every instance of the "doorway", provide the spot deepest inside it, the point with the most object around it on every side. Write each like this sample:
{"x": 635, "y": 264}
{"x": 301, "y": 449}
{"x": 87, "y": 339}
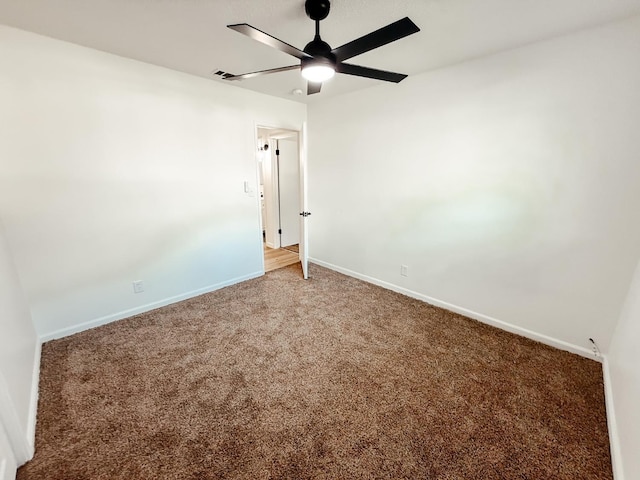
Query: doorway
{"x": 280, "y": 195}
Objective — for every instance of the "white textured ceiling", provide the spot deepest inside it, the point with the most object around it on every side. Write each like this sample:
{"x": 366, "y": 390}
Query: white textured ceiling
{"x": 191, "y": 35}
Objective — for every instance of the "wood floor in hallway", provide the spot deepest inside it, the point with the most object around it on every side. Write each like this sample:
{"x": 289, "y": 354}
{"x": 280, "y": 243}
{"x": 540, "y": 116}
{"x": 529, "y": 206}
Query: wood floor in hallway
{"x": 275, "y": 258}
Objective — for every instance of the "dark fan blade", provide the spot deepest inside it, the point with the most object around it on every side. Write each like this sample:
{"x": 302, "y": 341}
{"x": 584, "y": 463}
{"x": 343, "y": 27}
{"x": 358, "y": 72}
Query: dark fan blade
{"x": 370, "y": 72}
{"x": 267, "y": 39}
{"x": 261, "y": 72}
{"x": 313, "y": 88}
{"x": 390, "y": 33}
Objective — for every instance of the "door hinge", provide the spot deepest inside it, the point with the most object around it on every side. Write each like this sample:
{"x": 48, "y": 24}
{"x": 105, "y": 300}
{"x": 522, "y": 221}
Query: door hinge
{"x": 279, "y": 231}
{"x": 277, "y": 152}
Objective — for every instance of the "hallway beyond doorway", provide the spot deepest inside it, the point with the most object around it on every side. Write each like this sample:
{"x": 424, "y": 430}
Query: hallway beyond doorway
{"x": 293, "y": 248}
{"x": 275, "y": 258}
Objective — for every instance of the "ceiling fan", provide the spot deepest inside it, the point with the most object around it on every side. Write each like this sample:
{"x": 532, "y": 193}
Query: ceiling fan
{"x": 318, "y": 62}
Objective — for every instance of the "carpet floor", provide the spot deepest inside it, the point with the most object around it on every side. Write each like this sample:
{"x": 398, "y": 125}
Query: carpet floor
{"x": 330, "y": 378}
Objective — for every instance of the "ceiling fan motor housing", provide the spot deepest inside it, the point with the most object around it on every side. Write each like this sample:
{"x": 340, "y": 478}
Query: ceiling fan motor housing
{"x": 317, "y": 9}
{"x": 318, "y": 48}
{"x": 320, "y": 52}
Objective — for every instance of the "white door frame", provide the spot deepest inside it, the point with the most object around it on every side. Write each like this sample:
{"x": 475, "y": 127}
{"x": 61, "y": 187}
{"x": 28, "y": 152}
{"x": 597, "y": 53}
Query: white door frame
{"x": 273, "y": 187}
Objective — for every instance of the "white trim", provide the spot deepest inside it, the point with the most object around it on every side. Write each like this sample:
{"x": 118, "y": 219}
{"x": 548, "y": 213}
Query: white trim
{"x": 259, "y": 194}
{"x": 33, "y": 400}
{"x": 64, "y": 332}
{"x": 614, "y": 439}
{"x": 554, "y": 342}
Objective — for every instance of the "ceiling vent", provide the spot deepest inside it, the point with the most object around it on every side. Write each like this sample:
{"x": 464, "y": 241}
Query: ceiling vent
{"x": 221, "y": 74}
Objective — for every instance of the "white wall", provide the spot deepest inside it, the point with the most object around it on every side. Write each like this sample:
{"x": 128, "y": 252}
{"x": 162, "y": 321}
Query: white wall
{"x": 19, "y": 363}
{"x": 624, "y": 378}
{"x": 509, "y": 185}
{"x": 112, "y": 171}
{"x": 8, "y": 465}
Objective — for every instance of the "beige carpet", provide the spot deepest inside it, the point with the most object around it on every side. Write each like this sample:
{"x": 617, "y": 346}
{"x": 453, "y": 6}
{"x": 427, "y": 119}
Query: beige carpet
{"x": 330, "y": 378}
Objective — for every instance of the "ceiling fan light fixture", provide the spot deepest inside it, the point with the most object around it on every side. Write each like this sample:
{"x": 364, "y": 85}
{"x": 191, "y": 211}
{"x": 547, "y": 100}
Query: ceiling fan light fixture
{"x": 318, "y": 69}
{"x": 318, "y": 73}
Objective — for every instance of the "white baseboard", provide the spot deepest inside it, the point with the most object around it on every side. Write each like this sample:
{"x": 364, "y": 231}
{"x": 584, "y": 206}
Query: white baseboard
{"x": 614, "y": 440}
{"x": 554, "y": 342}
{"x": 65, "y": 332}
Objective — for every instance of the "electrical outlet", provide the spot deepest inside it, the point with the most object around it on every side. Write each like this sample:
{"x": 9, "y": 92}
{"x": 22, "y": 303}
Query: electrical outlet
{"x": 404, "y": 270}
{"x": 138, "y": 286}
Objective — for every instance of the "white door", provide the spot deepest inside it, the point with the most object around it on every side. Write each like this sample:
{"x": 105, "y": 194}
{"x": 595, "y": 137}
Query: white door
{"x": 289, "y": 189}
{"x": 304, "y": 214}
